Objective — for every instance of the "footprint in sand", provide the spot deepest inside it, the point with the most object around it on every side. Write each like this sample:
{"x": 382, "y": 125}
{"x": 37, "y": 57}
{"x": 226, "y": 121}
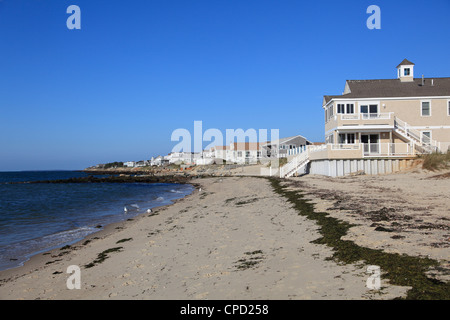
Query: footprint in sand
{"x": 128, "y": 283}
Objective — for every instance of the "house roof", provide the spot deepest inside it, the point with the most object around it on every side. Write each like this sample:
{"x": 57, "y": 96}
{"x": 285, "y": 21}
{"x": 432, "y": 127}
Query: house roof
{"x": 246, "y": 145}
{"x": 405, "y": 62}
{"x": 220, "y": 148}
{"x": 391, "y": 88}
{"x": 284, "y": 140}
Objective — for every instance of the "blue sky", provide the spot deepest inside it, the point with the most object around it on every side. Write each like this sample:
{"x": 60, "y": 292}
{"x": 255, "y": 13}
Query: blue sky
{"x": 137, "y": 70}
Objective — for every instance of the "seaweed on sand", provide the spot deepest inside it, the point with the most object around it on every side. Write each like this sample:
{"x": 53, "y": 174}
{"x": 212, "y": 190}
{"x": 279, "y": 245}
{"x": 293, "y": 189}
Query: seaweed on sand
{"x": 400, "y": 269}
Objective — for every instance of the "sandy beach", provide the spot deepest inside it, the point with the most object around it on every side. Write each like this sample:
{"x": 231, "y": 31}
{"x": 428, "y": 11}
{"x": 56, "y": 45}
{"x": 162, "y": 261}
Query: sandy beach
{"x": 236, "y": 238}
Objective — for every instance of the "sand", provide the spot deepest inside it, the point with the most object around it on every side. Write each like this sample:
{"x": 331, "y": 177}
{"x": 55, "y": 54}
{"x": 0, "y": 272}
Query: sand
{"x": 237, "y": 239}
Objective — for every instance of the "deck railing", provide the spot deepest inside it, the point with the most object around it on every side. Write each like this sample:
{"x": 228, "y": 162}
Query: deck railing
{"x": 377, "y": 149}
{"x": 365, "y": 116}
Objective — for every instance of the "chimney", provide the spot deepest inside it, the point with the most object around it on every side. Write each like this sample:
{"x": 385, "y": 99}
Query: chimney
{"x": 423, "y": 81}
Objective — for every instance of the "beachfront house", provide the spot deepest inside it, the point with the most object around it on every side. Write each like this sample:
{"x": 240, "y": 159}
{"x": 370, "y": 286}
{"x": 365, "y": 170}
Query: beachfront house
{"x": 283, "y": 147}
{"x": 391, "y": 117}
{"x": 375, "y": 126}
{"x": 235, "y": 152}
{"x": 244, "y": 152}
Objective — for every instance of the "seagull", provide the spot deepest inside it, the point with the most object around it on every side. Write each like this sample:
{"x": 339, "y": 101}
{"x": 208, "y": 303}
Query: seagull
{"x": 200, "y": 190}
{"x": 149, "y": 210}
{"x": 125, "y": 209}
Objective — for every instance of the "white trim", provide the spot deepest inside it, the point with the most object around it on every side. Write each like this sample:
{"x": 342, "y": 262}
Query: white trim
{"x": 429, "y": 127}
{"x": 380, "y": 128}
{"x": 421, "y": 110}
{"x": 385, "y": 98}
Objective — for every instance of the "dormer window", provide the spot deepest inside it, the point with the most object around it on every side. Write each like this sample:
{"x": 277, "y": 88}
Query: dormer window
{"x": 406, "y": 71}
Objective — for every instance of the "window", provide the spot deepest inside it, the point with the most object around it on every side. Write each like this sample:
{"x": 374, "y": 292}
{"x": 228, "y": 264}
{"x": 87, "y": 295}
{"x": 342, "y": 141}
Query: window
{"x": 448, "y": 107}
{"x": 350, "y": 108}
{"x": 426, "y": 109}
{"x": 351, "y": 138}
{"x": 364, "y": 109}
{"x": 247, "y": 154}
{"x": 346, "y": 138}
{"x": 239, "y": 154}
{"x": 406, "y": 71}
{"x": 426, "y": 137}
{"x": 341, "y": 138}
{"x": 369, "y": 111}
{"x": 340, "y": 108}
{"x": 329, "y": 139}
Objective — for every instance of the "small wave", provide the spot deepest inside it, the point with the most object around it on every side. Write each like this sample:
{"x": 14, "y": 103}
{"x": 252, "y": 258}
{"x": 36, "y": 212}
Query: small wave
{"x": 160, "y": 199}
{"x": 131, "y": 207}
{"x": 16, "y": 254}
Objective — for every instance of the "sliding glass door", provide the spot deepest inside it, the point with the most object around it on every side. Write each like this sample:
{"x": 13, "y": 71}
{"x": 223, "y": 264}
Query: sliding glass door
{"x": 370, "y": 143}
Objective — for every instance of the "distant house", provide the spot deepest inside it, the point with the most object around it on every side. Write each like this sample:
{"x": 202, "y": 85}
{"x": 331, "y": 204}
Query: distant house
{"x": 183, "y": 157}
{"x": 141, "y": 163}
{"x": 158, "y": 161}
{"x": 218, "y": 153}
{"x": 281, "y": 148}
{"x": 129, "y": 164}
{"x": 244, "y": 152}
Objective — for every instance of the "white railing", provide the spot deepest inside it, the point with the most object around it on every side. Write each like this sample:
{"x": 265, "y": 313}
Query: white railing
{"x": 365, "y": 116}
{"x": 388, "y": 149}
{"x": 377, "y": 149}
{"x": 292, "y": 166}
{"x": 295, "y": 151}
{"x": 343, "y": 146}
{"x": 423, "y": 144}
{"x": 300, "y": 160}
{"x": 367, "y": 150}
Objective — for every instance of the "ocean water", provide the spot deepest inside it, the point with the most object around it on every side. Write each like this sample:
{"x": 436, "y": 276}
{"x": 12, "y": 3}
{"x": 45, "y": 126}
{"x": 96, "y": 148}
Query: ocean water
{"x": 38, "y": 217}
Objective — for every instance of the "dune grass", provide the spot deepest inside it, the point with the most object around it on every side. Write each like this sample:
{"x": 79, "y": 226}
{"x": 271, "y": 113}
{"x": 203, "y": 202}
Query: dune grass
{"x": 436, "y": 161}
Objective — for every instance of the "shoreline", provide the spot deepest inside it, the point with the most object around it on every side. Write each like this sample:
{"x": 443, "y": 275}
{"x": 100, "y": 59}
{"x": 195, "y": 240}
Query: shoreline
{"x": 102, "y": 228}
{"x": 40, "y": 260}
